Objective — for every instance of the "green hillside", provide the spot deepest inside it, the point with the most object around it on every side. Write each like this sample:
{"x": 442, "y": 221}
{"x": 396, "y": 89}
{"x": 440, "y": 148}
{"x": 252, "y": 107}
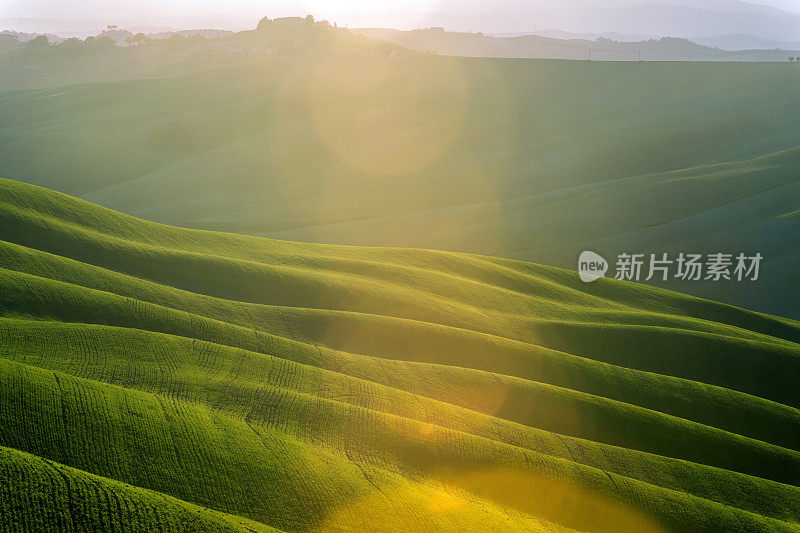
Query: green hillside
{"x": 182, "y": 380}
{"x": 524, "y": 159}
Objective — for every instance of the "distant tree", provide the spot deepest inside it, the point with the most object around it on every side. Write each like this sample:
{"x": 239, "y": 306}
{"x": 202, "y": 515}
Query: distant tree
{"x": 791, "y": 58}
{"x": 73, "y": 44}
{"x": 263, "y": 23}
{"x": 310, "y": 19}
{"x": 39, "y": 43}
{"x": 138, "y": 39}
{"x": 9, "y": 46}
{"x": 177, "y": 39}
{"x": 105, "y": 41}
{"x": 112, "y": 27}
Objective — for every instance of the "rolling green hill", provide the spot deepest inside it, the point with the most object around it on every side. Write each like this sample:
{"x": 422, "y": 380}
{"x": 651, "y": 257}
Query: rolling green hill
{"x": 524, "y": 159}
{"x": 181, "y": 380}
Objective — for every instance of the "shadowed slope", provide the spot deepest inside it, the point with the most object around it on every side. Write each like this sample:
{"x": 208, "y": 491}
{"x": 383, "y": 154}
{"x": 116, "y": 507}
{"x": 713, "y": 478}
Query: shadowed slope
{"x": 498, "y": 157}
{"x": 40, "y": 495}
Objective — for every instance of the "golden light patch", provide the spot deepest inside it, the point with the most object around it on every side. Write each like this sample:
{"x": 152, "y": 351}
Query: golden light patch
{"x": 426, "y": 430}
{"x": 561, "y": 501}
{"x": 445, "y": 502}
{"x": 420, "y": 508}
{"x": 381, "y": 123}
{"x": 488, "y": 500}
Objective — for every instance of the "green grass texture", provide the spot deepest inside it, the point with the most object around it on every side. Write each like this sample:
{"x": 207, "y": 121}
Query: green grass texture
{"x": 155, "y": 378}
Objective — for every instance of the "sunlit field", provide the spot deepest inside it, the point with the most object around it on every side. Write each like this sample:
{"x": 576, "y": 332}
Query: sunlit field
{"x": 300, "y": 279}
{"x": 308, "y": 386}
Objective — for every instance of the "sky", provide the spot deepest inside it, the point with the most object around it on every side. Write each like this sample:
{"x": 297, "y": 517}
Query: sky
{"x": 241, "y": 14}
{"x": 135, "y": 8}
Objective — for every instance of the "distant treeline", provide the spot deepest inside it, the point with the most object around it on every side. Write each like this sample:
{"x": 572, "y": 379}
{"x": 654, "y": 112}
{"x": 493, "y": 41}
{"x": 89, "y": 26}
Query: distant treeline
{"x": 11, "y": 47}
{"x": 287, "y": 31}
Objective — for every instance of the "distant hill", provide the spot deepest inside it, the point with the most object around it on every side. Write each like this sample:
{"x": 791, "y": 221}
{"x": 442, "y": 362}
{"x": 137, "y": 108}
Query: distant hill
{"x": 560, "y": 34}
{"x": 730, "y": 43}
{"x": 745, "y": 42}
{"x": 158, "y": 378}
{"x": 684, "y": 19}
{"x": 679, "y": 18}
{"x": 598, "y": 48}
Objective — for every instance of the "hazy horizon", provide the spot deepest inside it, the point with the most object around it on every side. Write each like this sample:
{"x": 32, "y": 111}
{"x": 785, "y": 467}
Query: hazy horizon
{"x": 473, "y": 15}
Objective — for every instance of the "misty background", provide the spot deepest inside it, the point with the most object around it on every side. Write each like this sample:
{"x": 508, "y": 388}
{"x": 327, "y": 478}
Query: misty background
{"x": 723, "y": 23}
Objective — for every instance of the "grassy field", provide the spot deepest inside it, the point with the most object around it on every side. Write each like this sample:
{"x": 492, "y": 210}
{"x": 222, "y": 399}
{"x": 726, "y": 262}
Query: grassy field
{"x": 524, "y": 159}
{"x": 154, "y": 377}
